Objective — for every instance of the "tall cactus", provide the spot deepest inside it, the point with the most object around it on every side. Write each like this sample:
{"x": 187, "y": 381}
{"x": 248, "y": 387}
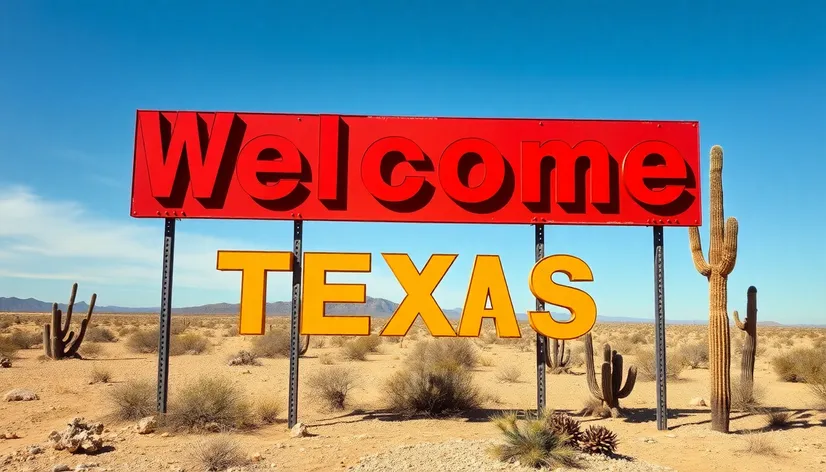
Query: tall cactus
{"x": 749, "y": 327}
{"x": 722, "y": 256}
{"x": 609, "y": 390}
{"x": 557, "y": 358}
{"x": 58, "y": 341}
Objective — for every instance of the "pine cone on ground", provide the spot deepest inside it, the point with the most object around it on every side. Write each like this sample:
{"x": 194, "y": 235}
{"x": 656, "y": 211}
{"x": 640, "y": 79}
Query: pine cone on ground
{"x": 599, "y": 440}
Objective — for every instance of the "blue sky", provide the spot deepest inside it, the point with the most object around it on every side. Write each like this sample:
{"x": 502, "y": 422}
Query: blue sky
{"x": 73, "y": 73}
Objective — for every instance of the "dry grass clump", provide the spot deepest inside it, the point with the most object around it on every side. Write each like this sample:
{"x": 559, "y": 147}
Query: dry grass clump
{"x": 508, "y": 373}
{"x": 358, "y": 348}
{"x": 189, "y": 344}
{"x": 646, "y": 364}
{"x": 98, "y": 334}
{"x": 90, "y": 350}
{"x": 326, "y": 358}
{"x": 143, "y": 341}
{"x": 210, "y": 404}
{"x": 133, "y": 399}
{"x": 759, "y": 444}
{"x": 800, "y": 364}
{"x": 743, "y": 398}
{"x": 100, "y": 375}
{"x": 332, "y": 385}
{"x": 268, "y": 410}
{"x": 693, "y": 355}
{"x": 7, "y": 347}
{"x": 435, "y": 379}
{"x": 217, "y": 454}
{"x": 594, "y": 407}
{"x": 25, "y": 339}
{"x": 817, "y": 385}
{"x": 778, "y": 419}
{"x": 275, "y": 343}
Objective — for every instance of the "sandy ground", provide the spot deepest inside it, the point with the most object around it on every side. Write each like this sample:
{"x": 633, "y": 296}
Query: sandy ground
{"x": 341, "y": 439}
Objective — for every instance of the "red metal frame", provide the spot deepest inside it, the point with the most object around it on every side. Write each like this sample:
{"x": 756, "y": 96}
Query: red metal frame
{"x": 408, "y": 169}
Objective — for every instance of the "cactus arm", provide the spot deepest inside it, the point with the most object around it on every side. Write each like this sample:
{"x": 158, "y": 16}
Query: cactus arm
{"x": 566, "y": 356}
{"x": 47, "y": 340}
{"x": 69, "y": 338}
{"x": 70, "y": 308}
{"x": 72, "y": 351}
{"x": 303, "y": 347}
{"x": 729, "y": 251}
{"x": 57, "y": 334}
{"x": 590, "y": 371}
{"x": 737, "y": 321}
{"x": 716, "y": 233}
{"x": 630, "y": 380}
{"x": 616, "y": 372}
{"x": 607, "y": 384}
{"x": 697, "y": 251}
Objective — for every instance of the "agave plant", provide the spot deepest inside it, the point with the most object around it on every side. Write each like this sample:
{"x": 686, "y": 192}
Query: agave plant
{"x": 533, "y": 442}
{"x": 598, "y": 440}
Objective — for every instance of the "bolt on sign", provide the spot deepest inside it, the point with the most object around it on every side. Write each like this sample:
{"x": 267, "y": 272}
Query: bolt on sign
{"x": 426, "y": 170}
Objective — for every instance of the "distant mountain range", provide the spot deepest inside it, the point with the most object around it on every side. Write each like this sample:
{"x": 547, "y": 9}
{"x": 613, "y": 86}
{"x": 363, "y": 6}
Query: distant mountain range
{"x": 378, "y": 307}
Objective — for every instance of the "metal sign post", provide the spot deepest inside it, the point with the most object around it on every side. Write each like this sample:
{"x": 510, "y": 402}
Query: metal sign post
{"x": 295, "y": 312}
{"x": 541, "y": 341}
{"x": 165, "y": 313}
{"x": 659, "y": 330}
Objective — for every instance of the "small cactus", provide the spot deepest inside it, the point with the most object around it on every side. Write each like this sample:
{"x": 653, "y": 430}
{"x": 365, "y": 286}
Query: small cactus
{"x": 598, "y": 439}
{"x": 749, "y": 327}
{"x": 610, "y": 389}
{"x": 58, "y": 341}
{"x": 557, "y": 358}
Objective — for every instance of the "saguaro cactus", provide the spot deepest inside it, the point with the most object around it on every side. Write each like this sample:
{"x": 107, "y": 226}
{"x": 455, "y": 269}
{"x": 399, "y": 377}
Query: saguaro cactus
{"x": 722, "y": 255}
{"x": 610, "y": 389}
{"x": 749, "y": 327}
{"x": 58, "y": 341}
{"x": 303, "y": 345}
{"x": 557, "y": 358}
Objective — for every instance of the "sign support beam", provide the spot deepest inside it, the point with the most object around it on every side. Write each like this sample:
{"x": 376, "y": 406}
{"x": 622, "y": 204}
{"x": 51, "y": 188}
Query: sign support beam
{"x": 659, "y": 330}
{"x": 165, "y": 317}
{"x": 295, "y": 313}
{"x": 541, "y": 341}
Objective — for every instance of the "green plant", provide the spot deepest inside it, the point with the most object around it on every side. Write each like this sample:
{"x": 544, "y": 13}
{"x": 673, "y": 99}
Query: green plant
{"x": 58, "y": 341}
{"x": 610, "y": 389}
{"x": 722, "y": 256}
{"x": 533, "y": 443}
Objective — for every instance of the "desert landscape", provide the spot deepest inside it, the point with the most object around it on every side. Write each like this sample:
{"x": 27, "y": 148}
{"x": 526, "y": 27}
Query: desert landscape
{"x": 358, "y": 399}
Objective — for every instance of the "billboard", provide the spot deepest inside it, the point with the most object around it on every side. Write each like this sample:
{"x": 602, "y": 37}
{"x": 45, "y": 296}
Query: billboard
{"x": 227, "y": 165}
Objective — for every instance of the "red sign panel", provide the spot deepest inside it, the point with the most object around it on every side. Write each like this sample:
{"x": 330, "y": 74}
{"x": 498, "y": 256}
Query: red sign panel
{"x": 404, "y": 169}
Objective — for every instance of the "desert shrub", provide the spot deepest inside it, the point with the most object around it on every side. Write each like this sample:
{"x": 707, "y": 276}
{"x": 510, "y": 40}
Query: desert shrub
{"x": 243, "y": 358}
{"x": 188, "y": 343}
{"x": 332, "y": 384}
{"x": 340, "y": 341}
{"x": 100, "y": 375}
{"x": 693, "y": 355}
{"x": 178, "y": 326}
{"x": 486, "y": 361}
{"x": 800, "y": 364}
{"x": 267, "y": 410}
{"x": 777, "y": 419}
{"x": 646, "y": 364}
{"x": 326, "y": 359}
{"x": 217, "y": 454}
{"x": 143, "y": 341}
{"x": 638, "y": 338}
{"x": 577, "y": 355}
{"x": 5, "y": 322}
{"x": 508, "y": 373}
{"x": 90, "y": 349}
{"x": 460, "y": 351}
{"x": 133, "y": 399}
{"x": 594, "y": 407}
{"x": 210, "y": 404}
{"x": 759, "y": 444}
{"x": 358, "y": 348}
{"x": 7, "y": 347}
{"x": 432, "y": 384}
{"x": 533, "y": 443}
{"x": 25, "y": 339}
{"x": 318, "y": 342}
{"x": 276, "y": 343}
{"x": 97, "y": 334}
{"x": 744, "y": 400}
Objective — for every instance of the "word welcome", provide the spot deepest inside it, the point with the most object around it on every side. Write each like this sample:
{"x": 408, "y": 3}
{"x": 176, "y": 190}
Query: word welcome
{"x": 487, "y": 283}
{"x": 398, "y": 169}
